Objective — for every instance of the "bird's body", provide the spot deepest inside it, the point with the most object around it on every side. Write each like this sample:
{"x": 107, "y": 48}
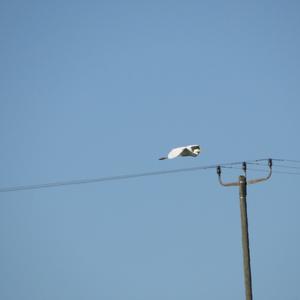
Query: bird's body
{"x": 190, "y": 150}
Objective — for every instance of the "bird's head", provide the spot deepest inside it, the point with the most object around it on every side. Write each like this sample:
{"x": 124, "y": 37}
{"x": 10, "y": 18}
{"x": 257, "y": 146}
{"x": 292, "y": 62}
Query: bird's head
{"x": 196, "y": 150}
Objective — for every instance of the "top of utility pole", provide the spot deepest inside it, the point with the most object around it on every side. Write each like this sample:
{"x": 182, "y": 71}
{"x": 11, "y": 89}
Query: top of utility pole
{"x": 244, "y": 167}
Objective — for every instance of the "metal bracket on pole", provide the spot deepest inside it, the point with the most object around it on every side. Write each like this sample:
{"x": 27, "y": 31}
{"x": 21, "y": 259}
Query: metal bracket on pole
{"x": 242, "y": 184}
{"x": 253, "y": 181}
{"x": 244, "y": 167}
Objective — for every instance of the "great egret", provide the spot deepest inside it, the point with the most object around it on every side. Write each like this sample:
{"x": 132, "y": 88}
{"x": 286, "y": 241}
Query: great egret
{"x": 191, "y": 150}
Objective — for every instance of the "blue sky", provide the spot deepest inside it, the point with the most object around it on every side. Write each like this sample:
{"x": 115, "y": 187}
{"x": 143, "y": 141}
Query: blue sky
{"x": 91, "y": 89}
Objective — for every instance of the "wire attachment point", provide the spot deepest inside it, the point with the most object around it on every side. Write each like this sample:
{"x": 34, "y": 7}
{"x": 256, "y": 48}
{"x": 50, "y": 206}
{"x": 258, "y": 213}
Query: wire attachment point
{"x": 244, "y": 166}
{"x": 219, "y": 171}
{"x": 270, "y": 162}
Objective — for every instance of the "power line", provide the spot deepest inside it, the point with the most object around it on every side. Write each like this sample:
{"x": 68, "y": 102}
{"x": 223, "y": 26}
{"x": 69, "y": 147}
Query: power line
{"x": 114, "y": 178}
{"x": 232, "y": 165}
{"x": 277, "y": 166}
{"x": 263, "y": 170}
{"x": 287, "y": 160}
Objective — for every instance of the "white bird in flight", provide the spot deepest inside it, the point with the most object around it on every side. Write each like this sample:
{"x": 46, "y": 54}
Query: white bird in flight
{"x": 191, "y": 150}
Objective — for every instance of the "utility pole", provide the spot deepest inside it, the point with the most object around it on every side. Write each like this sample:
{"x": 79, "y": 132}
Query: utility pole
{"x": 242, "y": 184}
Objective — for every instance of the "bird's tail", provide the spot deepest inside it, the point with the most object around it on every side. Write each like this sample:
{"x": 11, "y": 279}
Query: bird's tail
{"x": 162, "y": 158}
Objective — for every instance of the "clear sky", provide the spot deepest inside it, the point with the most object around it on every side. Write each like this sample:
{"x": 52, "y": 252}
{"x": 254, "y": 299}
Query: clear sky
{"x": 101, "y": 88}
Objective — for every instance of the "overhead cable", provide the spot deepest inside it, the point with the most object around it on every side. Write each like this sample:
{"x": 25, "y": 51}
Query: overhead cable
{"x": 232, "y": 165}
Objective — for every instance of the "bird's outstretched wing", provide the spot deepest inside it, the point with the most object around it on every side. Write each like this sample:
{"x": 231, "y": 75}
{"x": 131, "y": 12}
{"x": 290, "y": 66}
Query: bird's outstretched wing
{"x": 186, "y": 152}
{"x": 175, "y": 152}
